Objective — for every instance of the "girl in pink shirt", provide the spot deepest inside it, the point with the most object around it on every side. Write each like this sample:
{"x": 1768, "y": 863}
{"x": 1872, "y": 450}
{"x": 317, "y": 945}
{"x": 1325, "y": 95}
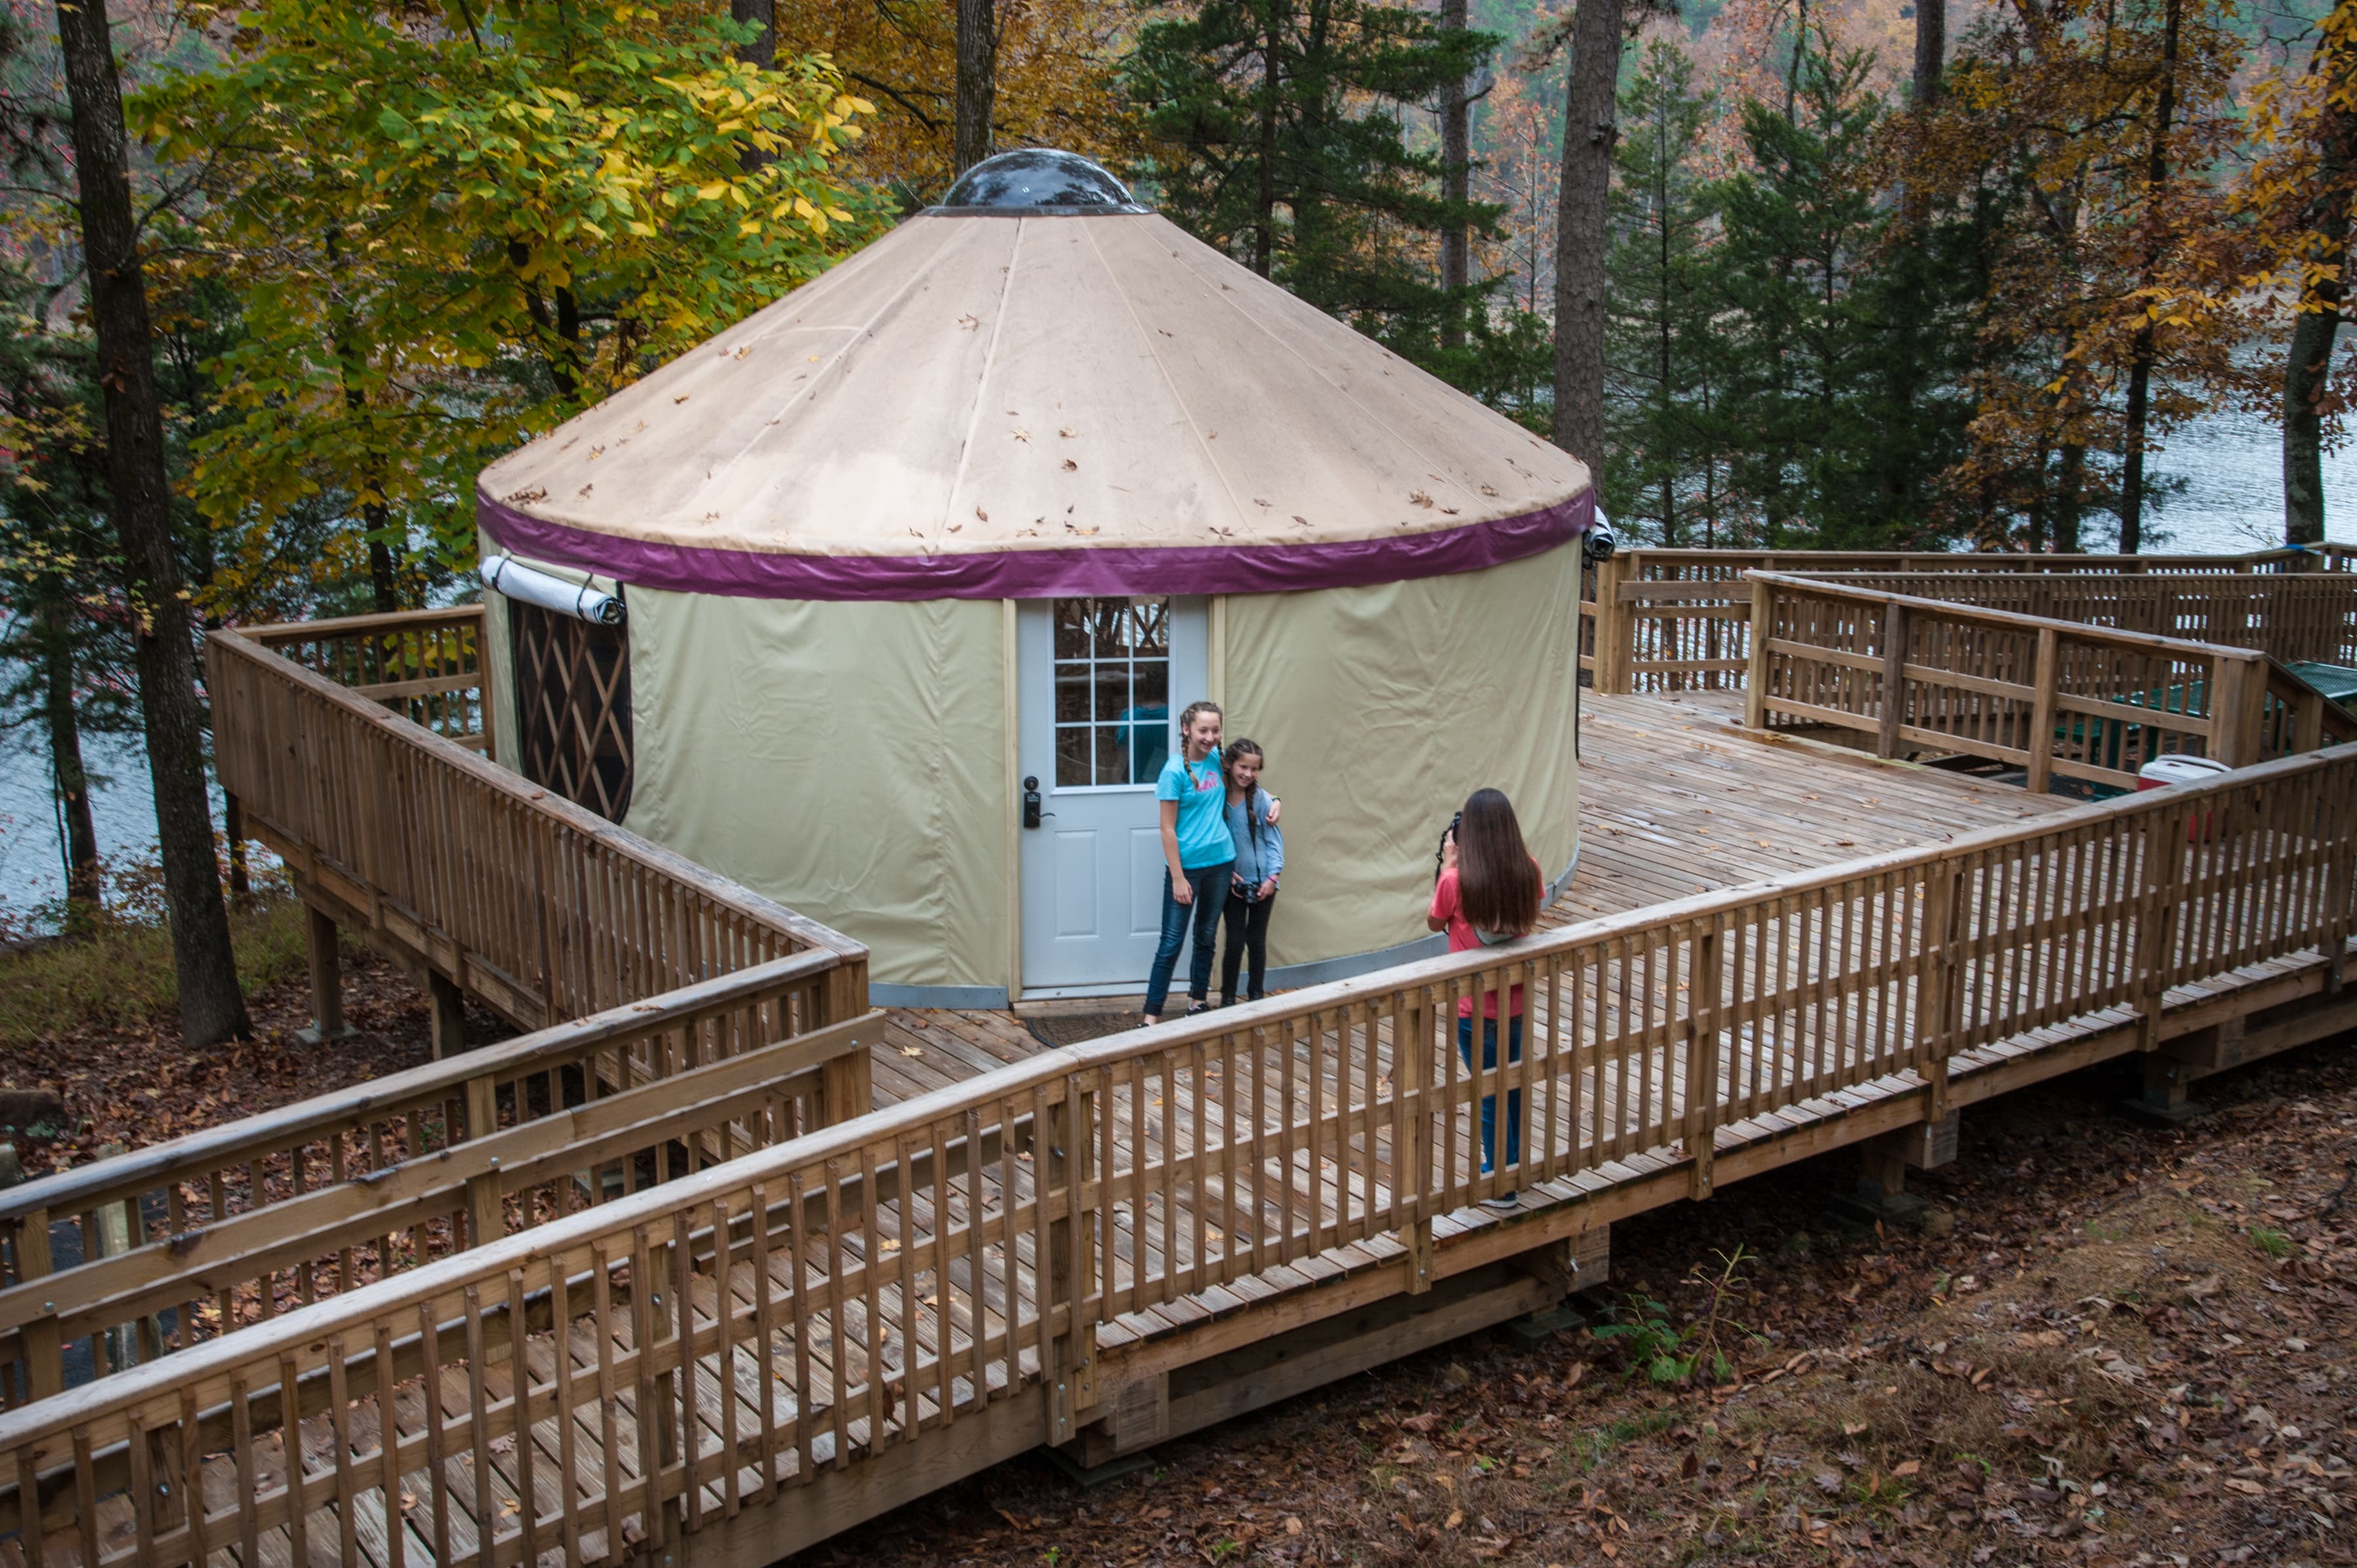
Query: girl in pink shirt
{"x": 1490, "y": 891}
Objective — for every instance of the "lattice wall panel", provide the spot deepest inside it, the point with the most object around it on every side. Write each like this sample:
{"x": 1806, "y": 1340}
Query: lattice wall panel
{"x": 573, "y": 707}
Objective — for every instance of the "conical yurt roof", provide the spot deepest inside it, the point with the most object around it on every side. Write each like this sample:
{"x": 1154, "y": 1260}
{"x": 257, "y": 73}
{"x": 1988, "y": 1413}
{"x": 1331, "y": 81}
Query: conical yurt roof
{"x": 1025, "y": 397}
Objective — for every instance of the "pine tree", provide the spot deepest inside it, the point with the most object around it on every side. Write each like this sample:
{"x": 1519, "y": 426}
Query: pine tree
{"x": 1660, "y": 303}
{"x": 1277, "y": 138}
{"x": 1840, "y": 347}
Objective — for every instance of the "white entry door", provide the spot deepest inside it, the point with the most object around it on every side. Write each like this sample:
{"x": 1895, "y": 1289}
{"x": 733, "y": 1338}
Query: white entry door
{"x": 1100, "y": 682}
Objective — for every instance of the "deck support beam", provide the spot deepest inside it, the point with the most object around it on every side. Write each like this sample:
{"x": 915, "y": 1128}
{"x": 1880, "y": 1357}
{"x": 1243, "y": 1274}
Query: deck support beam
{"x": 2161, "y": 1096}
{"x": 328, "y": 1024}
{"x": 446, "y": 1009}
{"x": 1879, "y": 1194}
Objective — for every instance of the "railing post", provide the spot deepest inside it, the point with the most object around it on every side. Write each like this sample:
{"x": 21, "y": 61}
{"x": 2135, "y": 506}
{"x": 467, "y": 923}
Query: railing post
{"x": 1939, "y": 983}
{"x": 45, "y": 1373}
{"x": 2159, "y": 894}
{"x": 1755, "y": 680}
{"x": 2337, "y": 823}
{"x": 1616, "y": 626}
{"x": 2238, "y": 690}
{"x": 2039, "y": 742}
{"x": 1411, "y": 1083}
{"x": 1702, "y": 1057}
{"x": 847, "y": 1086}
{"x": 487, "y": 676}
{"x": 486, "y": 1214}
{"x": 1894, "y": 677}
{"x": 2308, "y": 723}
{"x": 1062, "y": 1161}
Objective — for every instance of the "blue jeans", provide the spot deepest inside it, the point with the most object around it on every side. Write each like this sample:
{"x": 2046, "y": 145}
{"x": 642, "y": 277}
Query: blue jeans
{"x": 1211, "y": 886}
{"x": 1490, "y": 1101}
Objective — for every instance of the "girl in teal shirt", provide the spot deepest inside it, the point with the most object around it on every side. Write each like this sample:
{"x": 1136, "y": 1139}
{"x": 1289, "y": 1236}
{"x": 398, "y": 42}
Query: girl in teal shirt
{"x": 1197, "y": 855}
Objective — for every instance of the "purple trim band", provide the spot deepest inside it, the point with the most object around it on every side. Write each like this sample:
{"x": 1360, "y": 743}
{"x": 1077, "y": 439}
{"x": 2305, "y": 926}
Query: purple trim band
{"x": 1041, "y": 573}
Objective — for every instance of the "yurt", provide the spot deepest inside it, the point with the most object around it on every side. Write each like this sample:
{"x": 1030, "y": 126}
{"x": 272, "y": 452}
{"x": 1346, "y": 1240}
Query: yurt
{"x": 885, "y": 601}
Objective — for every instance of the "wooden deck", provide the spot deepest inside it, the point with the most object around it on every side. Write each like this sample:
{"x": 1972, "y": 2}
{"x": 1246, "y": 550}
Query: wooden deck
{"x": 1774, "y": 949}
{"x": 1675, "y": 798}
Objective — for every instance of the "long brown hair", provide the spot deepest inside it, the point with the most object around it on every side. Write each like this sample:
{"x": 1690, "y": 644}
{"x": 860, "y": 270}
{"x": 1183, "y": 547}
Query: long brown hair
{"x": 1497, "y": 881}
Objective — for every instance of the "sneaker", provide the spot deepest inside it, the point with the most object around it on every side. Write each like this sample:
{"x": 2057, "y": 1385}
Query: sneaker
{"x": 1198, "y": 1005}
{"x": 1503, "y": 1201}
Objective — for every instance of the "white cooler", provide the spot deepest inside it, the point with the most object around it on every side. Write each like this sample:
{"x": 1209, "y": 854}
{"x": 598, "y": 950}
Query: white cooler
{"x": 2179, "y": 769}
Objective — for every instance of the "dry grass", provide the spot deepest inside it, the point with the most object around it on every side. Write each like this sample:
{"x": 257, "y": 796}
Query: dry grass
{"x": 121, "y": 976}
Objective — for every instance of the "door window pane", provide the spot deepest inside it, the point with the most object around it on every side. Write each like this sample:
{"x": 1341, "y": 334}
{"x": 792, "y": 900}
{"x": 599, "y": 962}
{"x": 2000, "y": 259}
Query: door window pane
{"x": 1113, "y": 690}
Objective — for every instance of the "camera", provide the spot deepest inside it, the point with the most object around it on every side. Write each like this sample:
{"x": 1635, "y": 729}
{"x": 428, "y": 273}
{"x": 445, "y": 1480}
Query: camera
{"x": 1599, "y": 542}
{"x": 1440, "y": 854}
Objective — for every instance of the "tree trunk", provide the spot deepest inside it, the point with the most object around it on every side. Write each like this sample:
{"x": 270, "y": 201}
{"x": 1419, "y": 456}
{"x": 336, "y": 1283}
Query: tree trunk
{"x": 1581, "y": 236}
{"x": 81, "y": 834}
{"x": 212, "y": 1009}
{"x": 761, "y": 49}
{"x": 1799, "y": 53}
{"x": 2140, "y": 356}
{"x": 1265, "y": 193}
{"x": 384, "y": 586}
{"x": 2069, "y": 481}
{"x": 977, "y": 80}
{"x": 1456, "y": 183}
{"x": 1931, "y": 51}
{"x": 2308, "y": 365}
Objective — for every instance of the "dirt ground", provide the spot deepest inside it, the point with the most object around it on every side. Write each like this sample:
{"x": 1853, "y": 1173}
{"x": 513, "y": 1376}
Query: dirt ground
{"x": 138, "y": 1088}
{"x": 2130, "y": 1346}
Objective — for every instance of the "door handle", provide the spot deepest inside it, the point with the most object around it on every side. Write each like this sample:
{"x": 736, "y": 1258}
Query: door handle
{"x": 1031, "y": 812}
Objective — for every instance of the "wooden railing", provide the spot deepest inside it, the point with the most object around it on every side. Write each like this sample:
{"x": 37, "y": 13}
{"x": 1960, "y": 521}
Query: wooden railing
{"x": 729, "y": 1022}
{"x": 124, "y": 1259}
{"x": 2291, "y": 617}
{"x": 432, "y": 667}
{"x": 2055, "y": 699}
{"x": 614, "y": 1380}
{"x": 1667, "y": 620}
{"x": 541, "y": 908}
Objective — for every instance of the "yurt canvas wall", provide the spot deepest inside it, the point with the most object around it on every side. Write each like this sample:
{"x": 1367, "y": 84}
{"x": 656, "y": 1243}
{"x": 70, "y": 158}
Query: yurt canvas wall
{"x": 1382, "y": 708}
{"x": 853, "y": 760}
{"x": 847, "y": 759}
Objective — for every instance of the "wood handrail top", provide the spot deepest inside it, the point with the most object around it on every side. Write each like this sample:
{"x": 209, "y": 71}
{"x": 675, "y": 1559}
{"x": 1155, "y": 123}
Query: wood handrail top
{"x": 267, "y": 1132}
{"x": 196, "y": 1366}
{"x": 536, "y": 798}
{"x": 1696, "y": 555}
{"x": 349, "y": 626}
{"x": 2345, "y": 582}
{"x": 1951, "y": 610}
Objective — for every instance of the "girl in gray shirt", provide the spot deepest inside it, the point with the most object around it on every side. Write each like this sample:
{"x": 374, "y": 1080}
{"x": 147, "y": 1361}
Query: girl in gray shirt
{"x": 1260, "y": 860}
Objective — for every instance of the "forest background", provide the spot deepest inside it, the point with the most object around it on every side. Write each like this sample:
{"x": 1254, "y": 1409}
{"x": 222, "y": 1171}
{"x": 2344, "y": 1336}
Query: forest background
{"x": 1786, "y": 271}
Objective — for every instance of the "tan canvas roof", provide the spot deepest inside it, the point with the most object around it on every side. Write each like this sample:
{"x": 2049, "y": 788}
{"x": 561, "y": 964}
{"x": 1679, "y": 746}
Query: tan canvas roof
{"x": 995, "y": 404}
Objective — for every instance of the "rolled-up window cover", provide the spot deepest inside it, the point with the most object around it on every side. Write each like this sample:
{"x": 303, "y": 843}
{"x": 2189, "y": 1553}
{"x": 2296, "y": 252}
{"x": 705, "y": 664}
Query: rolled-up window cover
{"x": 581, "y": 601}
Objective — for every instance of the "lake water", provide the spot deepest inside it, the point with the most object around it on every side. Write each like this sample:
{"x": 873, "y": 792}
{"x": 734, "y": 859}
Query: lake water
{"x": 2232, "y": 503}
